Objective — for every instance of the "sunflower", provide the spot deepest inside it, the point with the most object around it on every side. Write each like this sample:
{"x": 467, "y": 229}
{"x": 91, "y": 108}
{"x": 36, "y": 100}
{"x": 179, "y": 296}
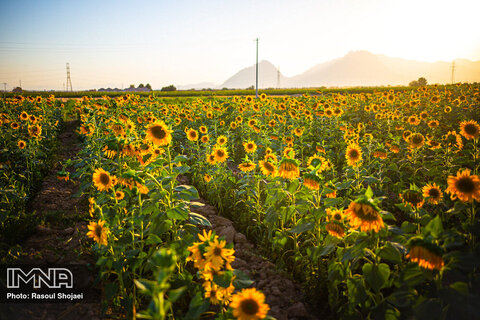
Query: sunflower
{"x": 353, "y": 155}
{"x": 102, "y": 180}
{"x": 216, "y": 254}
{"x": 212, "y": 292}
{"x": 233, "y": 125}
{"x": 203, "y": 129}
{"x": 453, "y": 139}
{"x": 311, "y": 181}
{"x": 336, "y": 215}
{"x": 414, "y": 120}
{"x": 119, "y": 195}
{"x": 415, "y": 140}
{"x": 192, "y": 134}
{"x": 426, "y": 255}
{"x": 98, "y": 232}
{"x": 205, "y": 139}
{"x": 289, "y": 169}
{"x": 207, "y": 177}
{"x": 247, "y": 166}
{"x": 433, "y": 123}
{"x": 364, "y": 216}
{"x": 298, "y": 131}
{"x": 335, "y": 229}
{"x": 220, "y": 154}
{"x": 267, "y": 168}
{"x": 21, "y": 144}
{"x": 470, "y": 129}
{"x": 24, "y": 116}
{"x": 221, "y": 140}
{"x": 249, "y": 146}
{"x": 35, "y": 130}
{"x": 464, "y": 186}
{"x": 413, "y": 198}
{"x": 289, "y": 153}
{"x": 249, "y": 304}
{"x": 211, "y": 158}
{"x": 432, "y": 193}
{"x": 159, "y": 133}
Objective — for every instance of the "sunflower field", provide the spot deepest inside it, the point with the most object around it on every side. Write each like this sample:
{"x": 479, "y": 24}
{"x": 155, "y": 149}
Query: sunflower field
{"x": 29, "y": 128}
{"x": 368, "y": 200}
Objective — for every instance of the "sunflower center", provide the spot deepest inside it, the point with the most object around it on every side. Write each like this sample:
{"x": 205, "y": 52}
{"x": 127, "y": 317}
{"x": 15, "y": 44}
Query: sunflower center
{"x": 465, "y": 185}
{"x": 98, "y": 231}
{"x": 249, "y": 306}
{"x": 217, "y": 251}
{"x": 220, "y": 153}
{"x": 433, "y": 193}
{"x": 104, "y": 179}
{"x": 353, "y": 154}
{"x": 158, "y": 132}
{"x": 337, "y": 216}
{"x": 268, "y": 166}
{"x": 471, "y": 129}
{"x": 417, "y": 139}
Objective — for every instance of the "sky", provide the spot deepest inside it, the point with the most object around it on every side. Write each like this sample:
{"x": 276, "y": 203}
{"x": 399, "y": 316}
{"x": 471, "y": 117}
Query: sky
{"x": 115, "y": 43}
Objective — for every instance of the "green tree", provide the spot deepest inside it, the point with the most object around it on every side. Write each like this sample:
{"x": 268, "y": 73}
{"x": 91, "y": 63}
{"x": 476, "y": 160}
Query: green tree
{"x": 169, "y": 88}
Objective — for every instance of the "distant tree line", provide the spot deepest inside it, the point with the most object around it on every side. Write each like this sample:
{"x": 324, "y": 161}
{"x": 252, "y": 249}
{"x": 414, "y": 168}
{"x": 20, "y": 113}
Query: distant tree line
{"x": 418, "y": 83}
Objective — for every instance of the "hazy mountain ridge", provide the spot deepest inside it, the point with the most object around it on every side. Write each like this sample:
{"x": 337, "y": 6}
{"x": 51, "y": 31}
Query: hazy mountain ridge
{"x": 357, "y": 68}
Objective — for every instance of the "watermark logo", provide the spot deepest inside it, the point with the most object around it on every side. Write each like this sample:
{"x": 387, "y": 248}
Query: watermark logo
{"x": 52, "y": 278}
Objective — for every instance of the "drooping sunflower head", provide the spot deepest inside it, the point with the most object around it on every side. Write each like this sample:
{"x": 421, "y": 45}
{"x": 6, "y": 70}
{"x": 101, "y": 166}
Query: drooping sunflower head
{"x": 464, "y": 186}
{"x": 426, "y": 254}
{"x": 159, "y": 133}
{"x": 288, "y": 169}
{"x": 364, "y": 215}
{"x": 470, "y": 129}
{"x": 311, "y": 181}
{"x": 247, "y": 166}
{"x": 289, "y": 153}
{"x": 35, "y": 130}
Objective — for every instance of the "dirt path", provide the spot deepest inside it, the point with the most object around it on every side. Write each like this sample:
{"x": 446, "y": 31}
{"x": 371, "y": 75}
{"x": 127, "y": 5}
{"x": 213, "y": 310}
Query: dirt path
{"x": 283, "y": 295}
{"x": 59, "y": 238}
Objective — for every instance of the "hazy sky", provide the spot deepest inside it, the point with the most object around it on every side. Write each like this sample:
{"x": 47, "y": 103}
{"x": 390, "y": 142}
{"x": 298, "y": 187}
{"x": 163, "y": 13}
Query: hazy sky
{"x": 111, "y": 43}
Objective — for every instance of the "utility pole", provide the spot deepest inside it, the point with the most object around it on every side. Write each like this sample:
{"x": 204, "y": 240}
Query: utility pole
{"x": 453, "y": 72}
{"x": 256, "y": 74}
{"x": 20, "y": 84}
{"x": 4, "y": 87}
{"x": 69, "y": 80}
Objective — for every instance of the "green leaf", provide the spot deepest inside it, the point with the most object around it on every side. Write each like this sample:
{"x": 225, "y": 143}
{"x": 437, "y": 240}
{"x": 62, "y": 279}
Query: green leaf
{"x": 199, "y": 220}
{"x": 198, "y": 305}
{"x": 177, "y": 213}
{"x": 302, "y": 227}
{"x": 111, "y": 290}
{"x": 174, "y": 294}
{"x": 223, "y": 280}
{"x": 185, "y": 192}
{"x": 387, "y": 216}
{"x": 390, "y": 253}
{"x": 434, "y": 227}
{"x": 356, "y": 290}
{"x": 241, "y": 280}
{"x": 429, "y": 309}
{"x": 369, "y": 193}
{"x": 376, "y": 275}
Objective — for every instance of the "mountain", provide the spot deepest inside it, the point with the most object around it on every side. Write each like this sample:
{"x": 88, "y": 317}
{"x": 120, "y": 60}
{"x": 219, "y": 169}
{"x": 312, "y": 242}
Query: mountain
{"x": 267, "y": 77}
{"x": 357, "y": 68}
